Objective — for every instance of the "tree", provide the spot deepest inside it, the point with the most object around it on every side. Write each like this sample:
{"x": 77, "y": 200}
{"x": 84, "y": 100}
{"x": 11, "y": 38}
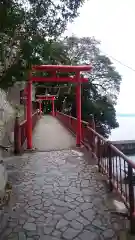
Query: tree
{"x": 103, "y": 80}
{"x": 25, "y": 28}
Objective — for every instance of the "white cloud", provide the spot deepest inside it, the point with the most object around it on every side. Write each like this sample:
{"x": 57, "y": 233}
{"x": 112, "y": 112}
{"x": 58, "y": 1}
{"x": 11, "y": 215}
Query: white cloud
{"x": 112, "y": 22}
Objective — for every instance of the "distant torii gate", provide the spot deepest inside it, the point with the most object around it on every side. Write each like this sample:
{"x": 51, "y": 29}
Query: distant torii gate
{"x": 51, "y": 98}
{"x": 55, "y": 70}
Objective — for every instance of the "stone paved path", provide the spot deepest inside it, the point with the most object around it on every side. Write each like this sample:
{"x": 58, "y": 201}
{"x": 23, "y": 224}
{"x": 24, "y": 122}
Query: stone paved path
{"x": 57, "y": 196}
{"x": 49, "y": 134}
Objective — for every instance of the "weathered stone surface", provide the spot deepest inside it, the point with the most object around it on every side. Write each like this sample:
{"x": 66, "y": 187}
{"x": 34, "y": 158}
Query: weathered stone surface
{"x": 30, "y": 226}
{"x": 59, "y": 203}
{"x": 48, "y": 209}
{"x": 89, "y": 214}
{"x": 86, "y": 206}
{"x": 22, "y": 236}
{"x": 70, "y": 233}
{"x": 62, "y": 223}
{"x": 56, "y": 233}
{"x": 48, "y": 230}
{"x": 87, "y": 235}
{"x": 76, "y": 225}
{"x": 109, "y": 233}
{"x": 71, "y": 215}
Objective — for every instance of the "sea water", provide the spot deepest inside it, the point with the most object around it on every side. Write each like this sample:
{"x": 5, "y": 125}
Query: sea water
{"x": 125, "y": 131}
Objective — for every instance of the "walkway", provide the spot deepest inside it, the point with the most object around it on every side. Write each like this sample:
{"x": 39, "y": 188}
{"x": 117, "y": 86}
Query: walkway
{"x": 51, "y": 135}
{"x": 58, "y": 195}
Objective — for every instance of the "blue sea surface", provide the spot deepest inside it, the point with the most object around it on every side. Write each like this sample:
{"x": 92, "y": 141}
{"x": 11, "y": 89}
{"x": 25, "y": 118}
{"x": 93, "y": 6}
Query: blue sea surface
{"x": 126, "y": 129}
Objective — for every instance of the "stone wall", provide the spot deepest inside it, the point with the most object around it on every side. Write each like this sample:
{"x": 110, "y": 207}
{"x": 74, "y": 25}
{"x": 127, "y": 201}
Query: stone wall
{"x": 8, "y": 101}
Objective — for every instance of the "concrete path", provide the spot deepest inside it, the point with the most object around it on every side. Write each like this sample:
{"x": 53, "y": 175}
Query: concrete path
{"x": 49, "y": 135}
{"x": 57, "y": 195}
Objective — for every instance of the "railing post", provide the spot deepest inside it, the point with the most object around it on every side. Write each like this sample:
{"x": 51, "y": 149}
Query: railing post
{"x": 99, "y": 153}
{"x": 17, "y": 137}
{"x": 110, "y": 167}
{"x": 29, "y": 114}
{"x": 131, "y": 199}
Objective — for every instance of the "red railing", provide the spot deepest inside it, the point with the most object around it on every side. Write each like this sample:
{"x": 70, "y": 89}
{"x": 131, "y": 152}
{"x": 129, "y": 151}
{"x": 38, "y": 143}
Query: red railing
{"x": 118, "y": 168}
{"x": 20, "y": 132}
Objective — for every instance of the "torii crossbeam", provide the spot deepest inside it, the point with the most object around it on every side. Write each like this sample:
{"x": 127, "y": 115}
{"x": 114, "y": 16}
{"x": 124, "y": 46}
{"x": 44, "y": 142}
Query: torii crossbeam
{"x": 54, "y": 71}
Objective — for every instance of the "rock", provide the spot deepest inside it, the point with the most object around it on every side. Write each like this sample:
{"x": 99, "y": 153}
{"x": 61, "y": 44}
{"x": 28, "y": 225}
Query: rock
{"x": 71, "y": 215}
{"x": 70, "y": 233}
{"x": 30, "y": 226}
{"x": 62, "y": 223}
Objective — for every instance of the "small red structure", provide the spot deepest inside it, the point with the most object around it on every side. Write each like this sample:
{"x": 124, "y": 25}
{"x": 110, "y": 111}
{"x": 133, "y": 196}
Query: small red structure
{"x": 46, "y": 97}
{"x": 54, "y": 71}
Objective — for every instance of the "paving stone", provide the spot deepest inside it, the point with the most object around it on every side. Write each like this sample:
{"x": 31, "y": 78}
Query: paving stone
{"x": 59, "y": 203}
{"x": 97, "y": 223}
{"x": 48, "y": 230}
{"x": 31, "y": 219}
{"x": 53, "y": 222}
{"x": 39, "y": 212}
{"x": 86, "y": 191}
{"x": 40, "y": 206}
{"x": 22, "y": 221}
{"x": 76, "y": 225}
{"x": 70, "y": 233}
{"x": 78, "y": 209}
{"x": 87, "y": 235}
{"x": 61, "y": 210}
{"x": 32, "y": 234}
{"x": 47, "y": 204}
{"x": 71, "y": 215}
{"x": 86, "y": 206}
{"x": 108, "y": 234}
{"x": 41, "y": 219}
{"x": 13, "y": 236}
{"x": 62, "y": 223}
{"x": 36, "y": 197}
{"x": 85, "y": 183}
{"x": 21, "y": 236}
{"x": 56, "y": 233}
{"x": 57, "y": 217}
{"x": 72, "y": 206}
{"x": 80, "y": 199}
{"x": 64, "y": 198}
{"x": 68, "y": 199}
{"x": 47, "y": 237}
{"x": 89, "y": 214}
{"x": 30, "y": 226}
{"x": 64, "y": 229}
{"x": 35, "y": 202}
{"x": 82, "y": 220}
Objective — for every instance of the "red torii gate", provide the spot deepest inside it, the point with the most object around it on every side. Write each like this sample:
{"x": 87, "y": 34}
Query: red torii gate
{"x": 54, "y": 69}
{"x": 49, "y": 98}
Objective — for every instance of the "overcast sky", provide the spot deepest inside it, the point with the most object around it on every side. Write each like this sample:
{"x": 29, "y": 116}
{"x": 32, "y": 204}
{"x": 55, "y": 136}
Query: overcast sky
{"x": 112, "y": 22}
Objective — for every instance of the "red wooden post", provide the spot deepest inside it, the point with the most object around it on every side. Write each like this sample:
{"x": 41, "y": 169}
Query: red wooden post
{"x": 78, "y": 111}
{"x": 29, "y": 115}
{"x": 53, "y": 111}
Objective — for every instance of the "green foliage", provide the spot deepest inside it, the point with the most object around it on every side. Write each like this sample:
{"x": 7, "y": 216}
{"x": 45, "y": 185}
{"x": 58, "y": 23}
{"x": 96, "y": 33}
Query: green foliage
{"x": 104, "y": 80}
{"x": 29, "y": 35}
{"x": 27, "y": 29}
